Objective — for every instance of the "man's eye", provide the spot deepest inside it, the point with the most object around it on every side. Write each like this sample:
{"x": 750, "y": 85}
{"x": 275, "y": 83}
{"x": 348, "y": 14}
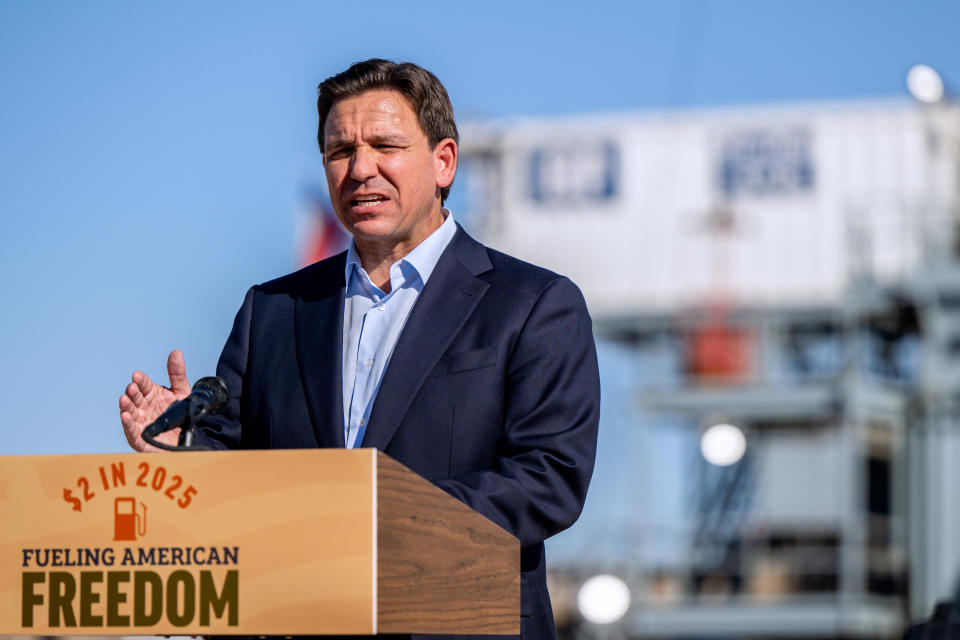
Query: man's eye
{"x": 338, "y": 154}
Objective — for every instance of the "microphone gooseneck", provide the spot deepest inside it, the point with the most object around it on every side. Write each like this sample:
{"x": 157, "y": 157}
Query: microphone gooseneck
{"x": 208, "y": 397}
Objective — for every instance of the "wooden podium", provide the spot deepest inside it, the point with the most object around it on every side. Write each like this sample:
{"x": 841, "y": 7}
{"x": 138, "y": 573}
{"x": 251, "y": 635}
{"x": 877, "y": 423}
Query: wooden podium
{"x": 285, "y": 542}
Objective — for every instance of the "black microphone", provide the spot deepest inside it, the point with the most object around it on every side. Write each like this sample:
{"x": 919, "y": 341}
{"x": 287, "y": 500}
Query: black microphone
{"x": 209, "y": 396}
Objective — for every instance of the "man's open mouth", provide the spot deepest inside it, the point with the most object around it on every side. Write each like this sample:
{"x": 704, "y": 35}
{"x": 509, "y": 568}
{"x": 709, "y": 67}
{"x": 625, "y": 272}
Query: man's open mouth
{"x": 367, "y": 201}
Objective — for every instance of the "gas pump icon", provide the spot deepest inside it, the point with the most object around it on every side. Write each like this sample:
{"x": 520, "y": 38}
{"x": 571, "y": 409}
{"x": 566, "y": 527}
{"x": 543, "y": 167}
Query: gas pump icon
{"x": 127, "y": 523}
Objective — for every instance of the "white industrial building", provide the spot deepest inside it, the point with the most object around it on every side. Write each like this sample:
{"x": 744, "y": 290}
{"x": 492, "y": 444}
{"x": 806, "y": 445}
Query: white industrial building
{"x": 791, "y": 270}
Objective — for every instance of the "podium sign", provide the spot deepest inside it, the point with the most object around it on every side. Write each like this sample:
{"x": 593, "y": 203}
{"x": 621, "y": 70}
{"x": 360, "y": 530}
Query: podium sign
{"x": 242, "y": 542}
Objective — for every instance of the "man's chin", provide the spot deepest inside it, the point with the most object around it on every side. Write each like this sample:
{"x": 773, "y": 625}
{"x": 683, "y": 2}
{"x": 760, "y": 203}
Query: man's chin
{"x": 372, "y": 231}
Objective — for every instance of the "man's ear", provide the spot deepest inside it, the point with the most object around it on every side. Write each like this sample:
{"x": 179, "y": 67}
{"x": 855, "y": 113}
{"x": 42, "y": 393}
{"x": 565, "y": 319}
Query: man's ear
{"x": 445, "y": 161}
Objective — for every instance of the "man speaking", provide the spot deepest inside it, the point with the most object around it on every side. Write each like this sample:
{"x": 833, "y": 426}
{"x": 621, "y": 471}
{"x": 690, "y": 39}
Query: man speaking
{"x": 472, "y": 368}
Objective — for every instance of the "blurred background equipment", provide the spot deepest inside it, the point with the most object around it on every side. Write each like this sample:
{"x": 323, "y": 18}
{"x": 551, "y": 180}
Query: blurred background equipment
{"x": 723, "y": 444}
{"x": 603, "y": 599}
{"x": 925, "y": 84}
{"x": 786, "y": 281}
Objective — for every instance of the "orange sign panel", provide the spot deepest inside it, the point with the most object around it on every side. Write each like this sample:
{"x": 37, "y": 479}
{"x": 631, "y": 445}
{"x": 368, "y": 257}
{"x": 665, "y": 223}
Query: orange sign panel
{"x": 251, "y": 542}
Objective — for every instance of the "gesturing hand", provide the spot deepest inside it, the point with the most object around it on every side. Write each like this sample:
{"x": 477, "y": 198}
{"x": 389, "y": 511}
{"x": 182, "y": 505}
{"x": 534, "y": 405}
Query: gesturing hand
{"x": 144, "y": 401}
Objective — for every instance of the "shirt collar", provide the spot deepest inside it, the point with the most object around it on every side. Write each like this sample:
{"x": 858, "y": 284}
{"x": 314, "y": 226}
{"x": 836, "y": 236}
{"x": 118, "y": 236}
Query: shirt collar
{"x": 423, "y": 258}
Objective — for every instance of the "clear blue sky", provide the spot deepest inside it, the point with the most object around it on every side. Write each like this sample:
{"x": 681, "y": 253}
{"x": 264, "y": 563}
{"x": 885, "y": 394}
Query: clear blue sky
{"x": 152, "y": 154}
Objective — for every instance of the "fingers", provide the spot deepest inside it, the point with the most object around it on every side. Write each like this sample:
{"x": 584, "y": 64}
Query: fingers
{"x": 133, "y": 394}
{"x": 131, "y": 430}
{"x": 143, "y": 383}
{"x": 126, "y": 402}
{"x": 177, "y": 370}
{"x": 129, "y": 419}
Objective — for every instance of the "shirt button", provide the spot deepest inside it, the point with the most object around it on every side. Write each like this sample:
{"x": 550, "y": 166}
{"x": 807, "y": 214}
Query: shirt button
{"x": 368, "y": 362}
{"x": 363, "y": 422}
{"x": 381, "y": 307}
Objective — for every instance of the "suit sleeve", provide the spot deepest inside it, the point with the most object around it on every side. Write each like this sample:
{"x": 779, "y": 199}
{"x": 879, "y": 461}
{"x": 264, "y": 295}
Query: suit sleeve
{"x": 223, "y": 431}
{"x": 539, "y": 481}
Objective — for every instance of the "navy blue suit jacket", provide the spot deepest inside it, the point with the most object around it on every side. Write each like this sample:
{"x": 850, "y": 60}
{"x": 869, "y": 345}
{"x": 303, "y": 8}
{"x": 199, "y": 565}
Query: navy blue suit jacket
{"x": 492, "y": 392}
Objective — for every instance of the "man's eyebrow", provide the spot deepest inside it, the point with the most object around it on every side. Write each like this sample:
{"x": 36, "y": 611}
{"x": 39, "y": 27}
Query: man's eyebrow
{"x": 337, "y": 142}
{"x": 394, "y": 138}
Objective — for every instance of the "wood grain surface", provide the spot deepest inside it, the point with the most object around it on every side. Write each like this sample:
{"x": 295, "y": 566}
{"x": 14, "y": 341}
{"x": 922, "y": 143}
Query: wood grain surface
{"x": 442, "y": 568}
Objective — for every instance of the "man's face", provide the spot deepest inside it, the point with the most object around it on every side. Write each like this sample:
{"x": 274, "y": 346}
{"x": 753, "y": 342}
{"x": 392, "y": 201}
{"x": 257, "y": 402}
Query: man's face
{"x": 382, "y": 173}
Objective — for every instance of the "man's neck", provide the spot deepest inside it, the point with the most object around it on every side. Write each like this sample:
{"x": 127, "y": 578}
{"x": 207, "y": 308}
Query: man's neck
{"x": 377, "y": 265}
{"x": 377, "y": 256}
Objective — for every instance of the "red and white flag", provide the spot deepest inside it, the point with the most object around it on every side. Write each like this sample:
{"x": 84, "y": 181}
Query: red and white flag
{"x": 319, "y": 234}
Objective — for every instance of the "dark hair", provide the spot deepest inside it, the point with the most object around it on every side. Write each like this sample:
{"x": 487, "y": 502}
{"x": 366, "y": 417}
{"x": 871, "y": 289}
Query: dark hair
{"x": 422, "y": 90}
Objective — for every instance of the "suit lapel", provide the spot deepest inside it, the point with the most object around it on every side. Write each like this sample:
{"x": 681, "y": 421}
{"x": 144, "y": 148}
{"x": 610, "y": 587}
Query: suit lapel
{"x": 319, "y": 333}
{"x": 447, "y": 300}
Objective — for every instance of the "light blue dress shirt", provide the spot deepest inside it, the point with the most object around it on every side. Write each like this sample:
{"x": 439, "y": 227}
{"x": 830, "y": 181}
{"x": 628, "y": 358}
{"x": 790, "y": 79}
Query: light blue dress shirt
{"x": 373, "y": 320}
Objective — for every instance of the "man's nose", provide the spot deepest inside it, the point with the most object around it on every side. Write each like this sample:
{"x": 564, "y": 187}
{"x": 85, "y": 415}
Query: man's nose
{"x": 363, "y": 165}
